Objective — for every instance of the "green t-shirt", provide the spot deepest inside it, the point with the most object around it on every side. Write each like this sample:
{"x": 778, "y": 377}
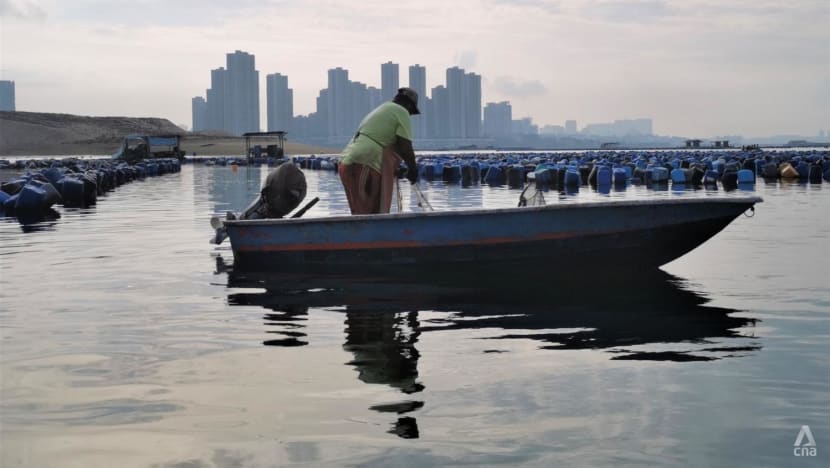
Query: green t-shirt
{"x": 378, "y": 130}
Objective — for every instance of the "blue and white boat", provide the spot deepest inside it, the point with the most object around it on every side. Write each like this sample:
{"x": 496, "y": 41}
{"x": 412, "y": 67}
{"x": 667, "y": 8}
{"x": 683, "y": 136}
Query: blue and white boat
{"x": 576, "y": 237}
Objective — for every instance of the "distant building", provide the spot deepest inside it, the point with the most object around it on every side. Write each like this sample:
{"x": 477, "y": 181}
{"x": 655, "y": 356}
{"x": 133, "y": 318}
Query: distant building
{"x": 216, "y": 95}
{"x": 464, "y": 94}
{"x": 339, "y": 103}
{"x": 279, "y": 103}
{"x": 320, "y": 122}
{"x": 438, "y": 123}
{"x": 632, "y": 127}
{"x": 552, "y": 130}
{"x": 242, "y": 98}
{"x": 389, "y": 80}
{"x": 455, "y": 93}
{"x": 418, "y": 82}
{"x": 570, "y": 127}
{"x": 232, "y": 103}
{"x": 620, "y": 128}
{"x": 199, "y": 114}
{"x": 472, "y": 105}
{"x": 498, "y": 119}
{"x": 524, "y": 126}
{"x": 7, "y": 96}
{"x": 375, "y": 96}
{"x": 600, "y": 129}
{"x": 360, "y": 104}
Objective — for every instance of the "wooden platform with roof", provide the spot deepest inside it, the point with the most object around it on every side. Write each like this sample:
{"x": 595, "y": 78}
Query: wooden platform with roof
{"x": 274, "y": 144}
{"x": 139, "y": 147}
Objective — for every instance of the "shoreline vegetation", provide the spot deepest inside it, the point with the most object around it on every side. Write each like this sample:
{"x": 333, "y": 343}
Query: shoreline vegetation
{"x": 46, "y": 134}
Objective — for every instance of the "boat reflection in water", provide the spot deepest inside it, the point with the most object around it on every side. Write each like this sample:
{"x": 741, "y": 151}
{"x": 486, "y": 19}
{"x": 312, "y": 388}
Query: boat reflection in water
{"x": 623, "y": 317}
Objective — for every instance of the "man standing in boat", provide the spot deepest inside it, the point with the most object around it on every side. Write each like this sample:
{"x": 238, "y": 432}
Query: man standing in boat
{"x": 370, "y": 162}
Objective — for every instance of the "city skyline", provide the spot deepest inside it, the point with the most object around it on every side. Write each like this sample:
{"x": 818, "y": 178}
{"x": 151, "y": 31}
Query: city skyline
{"x": 451, "y": 112}
{"x": 698, "y": 68}
{"x": 451, "y": 115}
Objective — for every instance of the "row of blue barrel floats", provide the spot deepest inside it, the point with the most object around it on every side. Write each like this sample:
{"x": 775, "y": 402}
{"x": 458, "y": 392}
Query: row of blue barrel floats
{"x": 605, "y": 168}
{"x": 234, "y": 161}
{"x": 69, "y": 182}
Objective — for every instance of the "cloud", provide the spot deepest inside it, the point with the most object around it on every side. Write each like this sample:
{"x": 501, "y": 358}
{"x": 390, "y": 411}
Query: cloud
{"x": 628, "y": 11}
{"x": 514, "y": 87}
{"x": 548, "y": 6}
{"x": 157, "y": 13}
{"x": 21, "y": 9}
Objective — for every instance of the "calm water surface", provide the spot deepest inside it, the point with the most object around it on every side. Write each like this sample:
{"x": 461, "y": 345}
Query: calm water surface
{"x": 128, "y": 340}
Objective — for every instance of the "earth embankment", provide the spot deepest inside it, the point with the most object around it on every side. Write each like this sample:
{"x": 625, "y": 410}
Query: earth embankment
{"x": 46, "y": 134}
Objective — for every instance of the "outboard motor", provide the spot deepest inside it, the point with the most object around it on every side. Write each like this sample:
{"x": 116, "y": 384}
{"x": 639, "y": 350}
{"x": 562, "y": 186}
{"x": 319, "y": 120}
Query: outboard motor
{"x": 284, "y": 190}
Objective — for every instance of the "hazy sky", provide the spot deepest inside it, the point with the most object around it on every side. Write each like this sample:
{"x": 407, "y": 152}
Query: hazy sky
{"x": 697, "y": 67}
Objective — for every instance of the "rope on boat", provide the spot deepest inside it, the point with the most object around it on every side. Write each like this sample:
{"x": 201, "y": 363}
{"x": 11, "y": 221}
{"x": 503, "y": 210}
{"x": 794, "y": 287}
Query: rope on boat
{"x": 537, "y": 199}
{"x": 422, "y": 199}
{"x": 400, "y": 197}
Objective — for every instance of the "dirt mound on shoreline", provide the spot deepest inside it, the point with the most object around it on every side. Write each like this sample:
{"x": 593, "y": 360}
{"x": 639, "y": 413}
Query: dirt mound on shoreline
{"x": 34, "y": 133}
{"x": 44, "y": 134}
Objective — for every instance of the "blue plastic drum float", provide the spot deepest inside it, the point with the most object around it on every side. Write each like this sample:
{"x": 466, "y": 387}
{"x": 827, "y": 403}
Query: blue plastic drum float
{"x": 570, "y": 170}
{"x": 69, "y": 182}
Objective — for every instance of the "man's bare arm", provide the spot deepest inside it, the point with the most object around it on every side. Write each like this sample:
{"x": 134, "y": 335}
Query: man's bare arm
{"x": 404, "y": 149}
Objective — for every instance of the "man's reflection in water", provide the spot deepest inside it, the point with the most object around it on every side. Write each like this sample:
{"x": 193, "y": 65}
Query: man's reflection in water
{"x": 383, "y": 344}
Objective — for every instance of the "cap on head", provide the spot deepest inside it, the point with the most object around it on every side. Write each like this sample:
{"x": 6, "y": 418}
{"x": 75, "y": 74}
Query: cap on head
{"x": 412, "y": 96}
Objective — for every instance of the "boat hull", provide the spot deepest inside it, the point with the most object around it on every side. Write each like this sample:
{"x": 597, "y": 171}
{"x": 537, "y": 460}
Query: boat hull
{"x": 568, "y": 237}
